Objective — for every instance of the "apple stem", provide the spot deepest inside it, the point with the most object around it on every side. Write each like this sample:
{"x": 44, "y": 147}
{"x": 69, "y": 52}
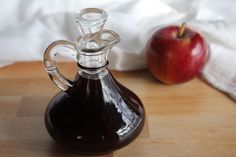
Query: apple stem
{"x": 181, "y": 30}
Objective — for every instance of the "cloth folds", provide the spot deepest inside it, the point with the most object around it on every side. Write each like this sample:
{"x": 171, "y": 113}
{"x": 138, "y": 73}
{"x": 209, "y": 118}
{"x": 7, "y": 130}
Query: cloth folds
{"x": 28, "y": 26}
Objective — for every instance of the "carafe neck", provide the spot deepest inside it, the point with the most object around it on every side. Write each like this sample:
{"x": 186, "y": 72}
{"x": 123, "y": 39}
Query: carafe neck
{"x": 92, "y": 60}
{"x": 94, "y": 42}
{"x": 93, "y": 73}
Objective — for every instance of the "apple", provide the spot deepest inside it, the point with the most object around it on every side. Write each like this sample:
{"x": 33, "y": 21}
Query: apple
{"x": 176, "y": 54}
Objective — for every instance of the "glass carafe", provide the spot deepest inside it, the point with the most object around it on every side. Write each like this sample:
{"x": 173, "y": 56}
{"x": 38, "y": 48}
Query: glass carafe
{"x": 93, "y": 114}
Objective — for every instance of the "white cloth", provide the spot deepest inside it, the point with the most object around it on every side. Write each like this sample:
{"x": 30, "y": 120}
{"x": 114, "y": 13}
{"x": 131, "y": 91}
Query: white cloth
{"x": 28, "y": 26}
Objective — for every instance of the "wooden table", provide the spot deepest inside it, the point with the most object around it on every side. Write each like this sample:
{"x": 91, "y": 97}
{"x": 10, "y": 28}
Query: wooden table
{"x": 186, "y": 120}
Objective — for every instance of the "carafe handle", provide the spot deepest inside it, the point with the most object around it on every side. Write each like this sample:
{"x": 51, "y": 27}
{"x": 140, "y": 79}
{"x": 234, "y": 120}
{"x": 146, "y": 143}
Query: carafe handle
{"x": 49, "y": 59}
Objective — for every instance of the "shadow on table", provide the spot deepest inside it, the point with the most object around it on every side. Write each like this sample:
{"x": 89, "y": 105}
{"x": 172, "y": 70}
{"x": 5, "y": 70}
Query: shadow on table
{"x": 56, "y": 150}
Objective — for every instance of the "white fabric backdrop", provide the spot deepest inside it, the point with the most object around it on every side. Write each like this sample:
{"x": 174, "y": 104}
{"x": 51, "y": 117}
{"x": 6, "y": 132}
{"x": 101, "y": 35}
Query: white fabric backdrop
{"x": 28, "y": 26}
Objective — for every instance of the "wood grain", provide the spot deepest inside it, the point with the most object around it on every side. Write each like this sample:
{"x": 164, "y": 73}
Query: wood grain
{"x": 185, "y": 120}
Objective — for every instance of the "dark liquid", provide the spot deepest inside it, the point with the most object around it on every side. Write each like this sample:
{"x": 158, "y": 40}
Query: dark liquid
{"x": 95, "y": 116}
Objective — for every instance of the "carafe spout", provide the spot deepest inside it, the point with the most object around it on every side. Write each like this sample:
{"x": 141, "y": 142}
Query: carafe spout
{"x": 93, "y": 38}
{"x": 90, "y": 22}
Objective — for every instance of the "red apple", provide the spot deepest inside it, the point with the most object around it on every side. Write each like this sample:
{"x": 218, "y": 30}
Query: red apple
{"x": 176, "y": 54}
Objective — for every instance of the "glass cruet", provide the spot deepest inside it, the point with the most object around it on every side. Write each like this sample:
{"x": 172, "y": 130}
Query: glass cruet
{"x": 94, "y": 113}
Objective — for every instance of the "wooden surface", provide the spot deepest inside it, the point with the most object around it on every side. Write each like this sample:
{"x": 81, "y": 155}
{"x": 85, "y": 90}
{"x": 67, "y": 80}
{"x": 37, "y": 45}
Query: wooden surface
{"x": 186, "y": 120}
